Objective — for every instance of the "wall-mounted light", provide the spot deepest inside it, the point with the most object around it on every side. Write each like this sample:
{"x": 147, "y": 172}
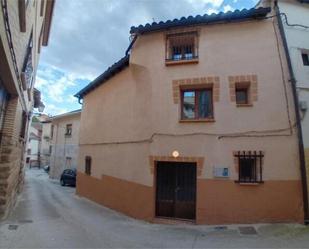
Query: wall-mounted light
{"x": 175, "y": 153}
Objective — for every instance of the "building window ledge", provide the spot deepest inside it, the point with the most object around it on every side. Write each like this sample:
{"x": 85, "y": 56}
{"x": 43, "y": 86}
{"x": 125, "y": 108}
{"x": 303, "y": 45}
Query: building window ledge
{"x": 180, "y": 62}
{"x": 205, "y": 120}
{"x": 244, "y": 105}
{"x": 249, "y": 183}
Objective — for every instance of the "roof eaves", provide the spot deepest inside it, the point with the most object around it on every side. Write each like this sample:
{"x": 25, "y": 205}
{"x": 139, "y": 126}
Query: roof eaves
{"x": 66, "y": 114}
{"x": 234, "y": 16}
{"x": 109, "y": 73}
{"x": 49, "y": 11}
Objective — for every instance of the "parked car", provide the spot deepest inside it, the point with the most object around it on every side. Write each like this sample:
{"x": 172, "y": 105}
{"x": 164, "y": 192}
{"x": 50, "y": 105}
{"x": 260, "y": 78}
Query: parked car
{"x": 68, "y": 177}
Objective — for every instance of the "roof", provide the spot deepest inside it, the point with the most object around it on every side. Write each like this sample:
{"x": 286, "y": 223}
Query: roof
{"x": 229, "y": 16}
{"x": 110, "y": 72}
{"x": 67, "y": 114}
{"x": 254, "y": 13}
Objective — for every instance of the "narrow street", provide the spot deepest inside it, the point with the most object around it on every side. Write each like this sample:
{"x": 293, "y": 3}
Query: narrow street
{"x": 50, "y": 216}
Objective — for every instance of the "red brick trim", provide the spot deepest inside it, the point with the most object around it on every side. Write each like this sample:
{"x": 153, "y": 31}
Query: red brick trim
{"x": 244, "y": 79}
{"x": 213, "y": 81}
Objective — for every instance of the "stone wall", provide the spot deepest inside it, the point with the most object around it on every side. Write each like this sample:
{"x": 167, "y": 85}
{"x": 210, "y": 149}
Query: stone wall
{"x": 11, "y": 157}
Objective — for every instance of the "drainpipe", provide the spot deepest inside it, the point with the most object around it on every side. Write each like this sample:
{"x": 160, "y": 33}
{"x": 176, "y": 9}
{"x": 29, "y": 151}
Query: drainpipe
{"x": 298, "y": 119}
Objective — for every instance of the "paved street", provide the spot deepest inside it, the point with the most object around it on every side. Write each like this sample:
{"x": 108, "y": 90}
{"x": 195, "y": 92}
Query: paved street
{"x": 51, "y": 216}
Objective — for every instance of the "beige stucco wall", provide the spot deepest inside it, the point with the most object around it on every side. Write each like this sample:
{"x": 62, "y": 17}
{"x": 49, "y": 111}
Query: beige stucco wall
{"x": 139, "y": 102}
{"x": 64, "y": 146}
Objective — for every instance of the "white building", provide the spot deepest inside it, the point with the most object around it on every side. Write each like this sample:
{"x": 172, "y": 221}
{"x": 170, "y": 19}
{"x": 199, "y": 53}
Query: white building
{"x": 295, "y": 16}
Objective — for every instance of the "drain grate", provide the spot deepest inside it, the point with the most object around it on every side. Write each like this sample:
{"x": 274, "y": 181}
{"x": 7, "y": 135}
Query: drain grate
{"x": 25, "y": 221}
{"x": 13, "y": 227}
{"x": 247, "y": 230}
{"x": 220, "y": 228}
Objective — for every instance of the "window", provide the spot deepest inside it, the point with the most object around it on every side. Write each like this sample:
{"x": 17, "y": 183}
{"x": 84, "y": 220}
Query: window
{"x": 242, "y": 93}
{"x": 305, "y": 57}
{"x": 68, "y": 162}
{"x": 23, "y": 125}
{"x": 22, "y": 14}
{"x": 182, "y": 46}
{"x": 242, "y": 96}
{"x": 249, "y": 166}
{"x": 68, "y": 130}
{"x": 42, "y": 7}
{"x": 52, "y": 131}
{"x": 88, "y": 165}
{"x": 196, "y": 104}
{"x": 4, "y": 97}
{"x": 27, "y": 71}
{"x": 50, "y": 149}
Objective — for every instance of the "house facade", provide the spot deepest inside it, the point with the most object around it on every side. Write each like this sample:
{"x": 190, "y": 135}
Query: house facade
{"x": 64, "y": 142}
{"x": 196, "y": 122}
{"x": 34, "y": 143}
{"x": 295, "y": 19}
{"x": 24, "y": 28}
{"x": 46, "y": 146}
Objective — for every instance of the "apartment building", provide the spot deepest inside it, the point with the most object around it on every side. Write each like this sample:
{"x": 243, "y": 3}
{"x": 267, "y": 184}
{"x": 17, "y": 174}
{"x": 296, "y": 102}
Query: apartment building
{"x": 46, "y": 146}
{"x": 24, "y": 28}
{"x": 196, "y": 122}
{"x": 34, "y": 143}
{"x": 64, "y": 142}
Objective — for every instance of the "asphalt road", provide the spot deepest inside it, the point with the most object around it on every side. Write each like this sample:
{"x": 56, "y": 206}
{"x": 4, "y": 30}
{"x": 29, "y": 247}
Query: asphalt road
{"x": 50, "y": 216}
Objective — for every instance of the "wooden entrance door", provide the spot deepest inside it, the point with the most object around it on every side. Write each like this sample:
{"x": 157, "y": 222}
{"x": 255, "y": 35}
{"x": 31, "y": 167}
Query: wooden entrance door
{"x": 176, "y": 190}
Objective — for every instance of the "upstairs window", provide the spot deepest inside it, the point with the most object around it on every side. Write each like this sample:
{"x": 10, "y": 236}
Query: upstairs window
{"x": 22, "y": 5}
{"x": 27, "y": 71}
{"x": 68, "y": 130}
{"x": 23, "y": 129}
{"x": 181, "y": 47}
{"x": 52, "y": 131}
{"x": 196, "y": 104}
{"x": 42, "y": 7}
{"x": 249, "y": 166}
{"x": 305, "y": 57}
{"x": 242, "y": 93}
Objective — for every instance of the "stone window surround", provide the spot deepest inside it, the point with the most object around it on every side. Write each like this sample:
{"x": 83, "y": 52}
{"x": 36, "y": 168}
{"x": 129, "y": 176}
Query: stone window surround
{"x": 252, "y": 83}
{"x": 191, "y": 83}
{"x": 198, "y": 160}
{"x": 210, "y": 81}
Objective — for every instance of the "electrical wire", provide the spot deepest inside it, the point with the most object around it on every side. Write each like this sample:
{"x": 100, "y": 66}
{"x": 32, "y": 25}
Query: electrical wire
{"x": 255, "y": 134}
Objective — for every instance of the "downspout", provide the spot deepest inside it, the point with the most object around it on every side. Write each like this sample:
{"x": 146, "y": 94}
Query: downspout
{"x": 298, "y": 119}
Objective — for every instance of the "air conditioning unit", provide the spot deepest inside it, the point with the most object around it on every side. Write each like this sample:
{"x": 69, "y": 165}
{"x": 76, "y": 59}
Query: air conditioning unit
{"x": 303, "y": 106}
{"x": 222, "y": 172}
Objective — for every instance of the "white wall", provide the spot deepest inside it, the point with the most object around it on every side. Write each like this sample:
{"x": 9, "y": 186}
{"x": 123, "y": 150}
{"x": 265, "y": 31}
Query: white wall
{"x": 298, "y": 40}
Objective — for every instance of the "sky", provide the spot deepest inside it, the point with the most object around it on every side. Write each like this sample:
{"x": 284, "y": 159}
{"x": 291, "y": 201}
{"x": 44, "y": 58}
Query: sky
{"x": 87, "y": 36}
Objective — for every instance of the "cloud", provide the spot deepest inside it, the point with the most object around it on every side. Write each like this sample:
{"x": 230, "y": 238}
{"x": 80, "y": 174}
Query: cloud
{"x": 227, "y": 8}
{"x": 88, "y": 36}
{"x": 51, "y": 109}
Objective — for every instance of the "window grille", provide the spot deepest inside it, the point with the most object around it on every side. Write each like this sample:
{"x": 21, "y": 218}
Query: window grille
{"x": 250, "y": 168}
